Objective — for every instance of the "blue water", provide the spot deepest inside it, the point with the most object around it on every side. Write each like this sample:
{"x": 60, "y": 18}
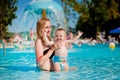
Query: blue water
{"x": 97, "y": 62}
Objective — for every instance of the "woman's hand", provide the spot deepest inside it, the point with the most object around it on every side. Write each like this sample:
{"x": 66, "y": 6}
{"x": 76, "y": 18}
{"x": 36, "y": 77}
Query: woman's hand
{"x": 56, "y": 45}
{"x": 45, "y": 37}
{"x": 44, "y": 33}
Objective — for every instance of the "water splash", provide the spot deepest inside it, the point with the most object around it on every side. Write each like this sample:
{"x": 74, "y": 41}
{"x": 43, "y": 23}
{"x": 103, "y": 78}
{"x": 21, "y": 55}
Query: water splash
{"x": 33, "y": 12}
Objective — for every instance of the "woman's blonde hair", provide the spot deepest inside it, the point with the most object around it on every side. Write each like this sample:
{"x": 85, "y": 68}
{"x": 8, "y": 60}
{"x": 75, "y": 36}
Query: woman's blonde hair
{"x": 40, "y": 25}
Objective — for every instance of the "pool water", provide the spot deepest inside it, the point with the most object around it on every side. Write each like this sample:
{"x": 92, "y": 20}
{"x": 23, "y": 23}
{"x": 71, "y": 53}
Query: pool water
{"x": 97, "y": 62}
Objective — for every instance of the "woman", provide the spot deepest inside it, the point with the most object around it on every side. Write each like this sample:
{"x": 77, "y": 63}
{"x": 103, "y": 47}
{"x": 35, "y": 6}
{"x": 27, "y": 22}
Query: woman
{"x": 44, "y": 53}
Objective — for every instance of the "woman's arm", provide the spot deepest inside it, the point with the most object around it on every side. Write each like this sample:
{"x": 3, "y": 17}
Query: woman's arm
{"x": 39, "y": 52}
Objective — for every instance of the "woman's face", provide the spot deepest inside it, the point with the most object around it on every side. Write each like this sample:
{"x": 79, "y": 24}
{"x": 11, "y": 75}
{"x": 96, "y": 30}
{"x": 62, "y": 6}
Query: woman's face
{"x": 47, "y": 28}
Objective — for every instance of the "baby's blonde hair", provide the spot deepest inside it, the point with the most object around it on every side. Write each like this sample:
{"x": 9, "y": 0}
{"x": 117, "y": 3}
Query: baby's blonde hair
{"x": 60, "y": 29}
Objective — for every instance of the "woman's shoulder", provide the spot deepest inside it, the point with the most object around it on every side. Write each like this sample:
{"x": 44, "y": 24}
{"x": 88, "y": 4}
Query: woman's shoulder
{"x": 38, "y": 40}
{"x": 38, "y": 43}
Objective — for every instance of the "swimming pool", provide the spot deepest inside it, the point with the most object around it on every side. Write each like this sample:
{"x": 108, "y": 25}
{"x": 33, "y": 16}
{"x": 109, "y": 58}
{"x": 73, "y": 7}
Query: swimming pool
{"x": 97, "y": 62}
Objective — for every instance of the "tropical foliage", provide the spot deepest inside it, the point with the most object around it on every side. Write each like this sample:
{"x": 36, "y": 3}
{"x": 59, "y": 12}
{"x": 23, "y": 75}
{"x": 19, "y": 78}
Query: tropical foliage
{"x": 7, "y": 14}
{"x": 96, "y": 15}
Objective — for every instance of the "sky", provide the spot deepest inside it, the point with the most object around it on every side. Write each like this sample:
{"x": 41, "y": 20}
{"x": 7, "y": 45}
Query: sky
{"x": 17, "y": 25}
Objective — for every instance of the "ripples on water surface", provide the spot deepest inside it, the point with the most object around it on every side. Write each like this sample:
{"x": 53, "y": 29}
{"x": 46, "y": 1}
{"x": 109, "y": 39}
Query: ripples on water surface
{"x": 97, "y": 62}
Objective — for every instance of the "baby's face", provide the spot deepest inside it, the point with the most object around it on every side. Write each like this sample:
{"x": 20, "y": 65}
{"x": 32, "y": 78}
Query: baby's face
{"x": 60, "y": 36}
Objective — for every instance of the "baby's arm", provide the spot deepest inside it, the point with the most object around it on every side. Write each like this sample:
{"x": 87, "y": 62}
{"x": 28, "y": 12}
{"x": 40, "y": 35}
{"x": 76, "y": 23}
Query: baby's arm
{"x": 76, "y": 37}
{"x": 47, "y": 42}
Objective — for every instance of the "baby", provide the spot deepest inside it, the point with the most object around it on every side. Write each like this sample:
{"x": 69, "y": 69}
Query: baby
{"x": 60, "y": 58}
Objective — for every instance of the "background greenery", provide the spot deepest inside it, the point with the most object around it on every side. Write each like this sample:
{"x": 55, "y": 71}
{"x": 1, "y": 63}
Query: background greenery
{"x": 7, "y": 14}
{"x": 95, "y": 15}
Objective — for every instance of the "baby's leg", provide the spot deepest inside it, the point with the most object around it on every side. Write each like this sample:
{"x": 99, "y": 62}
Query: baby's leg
{"x": 66, "y": 67}
{"x": 57, "y": 67}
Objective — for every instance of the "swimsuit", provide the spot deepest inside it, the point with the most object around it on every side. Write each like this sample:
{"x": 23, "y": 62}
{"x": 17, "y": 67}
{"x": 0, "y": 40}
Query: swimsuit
{"x": 45, "y": 52}
{"x": 61, "y": 60}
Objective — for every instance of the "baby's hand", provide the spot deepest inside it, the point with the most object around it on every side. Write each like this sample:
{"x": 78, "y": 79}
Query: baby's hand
{"x": 80, "y": 33}
{"x": 59, "y": 45}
